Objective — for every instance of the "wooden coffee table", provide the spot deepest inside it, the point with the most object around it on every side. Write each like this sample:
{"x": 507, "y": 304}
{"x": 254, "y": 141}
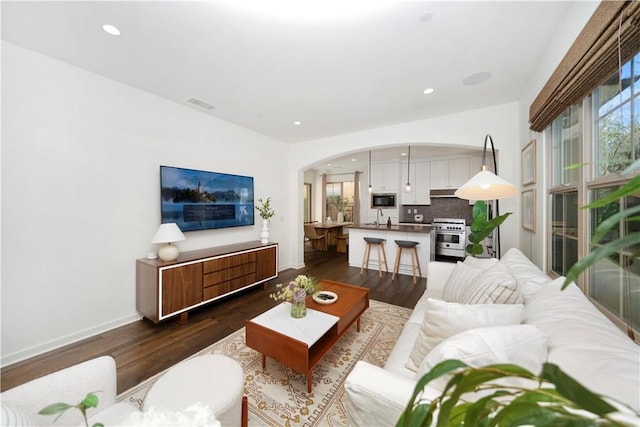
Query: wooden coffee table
{"x": 302, "y": 343}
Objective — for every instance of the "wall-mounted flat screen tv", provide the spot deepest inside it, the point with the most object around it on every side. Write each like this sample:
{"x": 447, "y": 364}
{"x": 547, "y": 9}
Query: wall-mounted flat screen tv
{"x": 200, "y": 200}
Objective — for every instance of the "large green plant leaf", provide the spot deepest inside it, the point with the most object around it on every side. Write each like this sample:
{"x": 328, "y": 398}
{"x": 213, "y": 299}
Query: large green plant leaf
{"x": 558, "y": 400}
{"x": 531, "y": 414}
{"x": 599, "y": 253}
{"x": 414, "y": 414}
{"x": 55, "y": 408}
{"x": 574, "y": 391}
{"x": 89, "y": 401}
{"x": 613, "y": 221}
{"x": 629, "y": 189}
{"x": 469, "y": 382}
{"x": 481, "y": 228}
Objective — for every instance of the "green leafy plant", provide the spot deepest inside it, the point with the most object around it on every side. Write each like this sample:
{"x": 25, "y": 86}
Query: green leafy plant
{"x": 559, "y": 400}
{"x": 481, "y": 227}
{"x": 90, "y": 401}
{"x": 602, "y": 251}
{"x": 338, "y": 202}
{"x": 265, "y": 209}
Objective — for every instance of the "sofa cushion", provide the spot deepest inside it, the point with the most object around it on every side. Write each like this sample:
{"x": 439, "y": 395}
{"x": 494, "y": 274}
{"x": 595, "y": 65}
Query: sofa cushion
{"x": 529, "y": 277}
{"x": 523, "y": 345}
{"x": 461, "y": 278}
{"x": 482, "y": 263}
{"x": 584, "y": 343}
{"x": 444, "y": 319}
{"x": 495, "y": 285}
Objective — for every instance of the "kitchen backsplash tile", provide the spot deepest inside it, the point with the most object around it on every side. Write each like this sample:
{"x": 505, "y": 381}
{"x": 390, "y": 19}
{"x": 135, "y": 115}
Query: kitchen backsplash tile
{"x": 439, "y": 208}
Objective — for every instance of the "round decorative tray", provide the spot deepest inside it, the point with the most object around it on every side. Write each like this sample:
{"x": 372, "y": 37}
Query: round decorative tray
{"x": 325, "y": 297}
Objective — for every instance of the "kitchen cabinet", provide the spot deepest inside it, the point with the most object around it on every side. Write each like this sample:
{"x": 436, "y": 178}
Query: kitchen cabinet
{"x": 385, "y": 177}
{"x": 452, "y": 173}
{"x": 419, "y": 179}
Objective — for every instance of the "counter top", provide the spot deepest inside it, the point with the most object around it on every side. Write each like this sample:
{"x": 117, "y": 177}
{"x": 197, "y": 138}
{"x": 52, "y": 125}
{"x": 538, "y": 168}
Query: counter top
{"x": 422, "y": 228}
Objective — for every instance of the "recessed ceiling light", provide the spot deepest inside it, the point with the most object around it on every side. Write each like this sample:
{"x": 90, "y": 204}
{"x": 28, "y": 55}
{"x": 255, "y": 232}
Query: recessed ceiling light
{"x": 353, "y": 160}
{"x": 428, "y": 91}
{"x": 110, "y": 29}
{"x": 403, "y": 154}
{"x": 477, "y": 78}
{"x": 297, "y": 123}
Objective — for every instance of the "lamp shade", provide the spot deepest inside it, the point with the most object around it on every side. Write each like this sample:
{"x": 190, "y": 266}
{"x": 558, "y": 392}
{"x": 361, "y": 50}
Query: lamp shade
{"x": 486, "y": 185}
{"x": 167, "y": 233}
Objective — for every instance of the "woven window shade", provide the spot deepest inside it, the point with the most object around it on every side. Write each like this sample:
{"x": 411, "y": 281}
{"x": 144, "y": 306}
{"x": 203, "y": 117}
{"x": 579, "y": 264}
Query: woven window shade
{"x": 590, "y": 61}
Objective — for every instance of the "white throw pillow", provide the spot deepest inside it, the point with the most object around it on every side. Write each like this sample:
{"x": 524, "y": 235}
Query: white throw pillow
{"x": 481, "y": 263}
{"x": 461, "y": 277}
{"x": 523, "y": 345}
{"x": 444, "y": 319}
{"x": 496, "y": 285}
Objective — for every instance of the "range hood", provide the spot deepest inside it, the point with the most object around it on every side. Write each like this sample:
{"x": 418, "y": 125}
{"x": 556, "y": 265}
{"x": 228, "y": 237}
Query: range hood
{"x": 442, "y": 193}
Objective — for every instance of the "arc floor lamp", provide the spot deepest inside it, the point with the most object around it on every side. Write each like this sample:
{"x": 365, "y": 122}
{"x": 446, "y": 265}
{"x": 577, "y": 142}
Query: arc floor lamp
{"x": 486, "y": 185}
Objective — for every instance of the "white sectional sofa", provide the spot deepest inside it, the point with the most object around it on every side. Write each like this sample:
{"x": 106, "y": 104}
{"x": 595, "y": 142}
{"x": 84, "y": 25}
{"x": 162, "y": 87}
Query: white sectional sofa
{"x": 575, "y": 335}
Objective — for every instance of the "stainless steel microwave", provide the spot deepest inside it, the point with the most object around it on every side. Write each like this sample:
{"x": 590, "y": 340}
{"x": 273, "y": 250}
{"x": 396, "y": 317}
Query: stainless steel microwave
{"x": 383, "y": 200}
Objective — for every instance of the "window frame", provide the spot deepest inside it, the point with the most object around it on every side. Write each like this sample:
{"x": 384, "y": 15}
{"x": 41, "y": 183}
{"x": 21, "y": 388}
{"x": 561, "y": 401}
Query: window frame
{"x": 588, "y": 181}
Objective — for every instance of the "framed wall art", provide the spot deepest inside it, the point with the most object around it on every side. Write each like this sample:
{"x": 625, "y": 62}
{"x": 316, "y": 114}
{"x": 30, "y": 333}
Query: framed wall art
{"x": 529, "y": 163}
{"x": 528, "y": 209}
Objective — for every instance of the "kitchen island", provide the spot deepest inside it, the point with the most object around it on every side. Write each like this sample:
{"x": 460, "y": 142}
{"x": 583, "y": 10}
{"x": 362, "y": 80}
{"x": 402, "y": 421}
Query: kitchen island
{"x": 417, "y": 233}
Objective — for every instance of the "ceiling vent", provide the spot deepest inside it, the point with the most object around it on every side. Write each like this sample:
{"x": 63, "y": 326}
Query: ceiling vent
{"x": 201, "y": 104}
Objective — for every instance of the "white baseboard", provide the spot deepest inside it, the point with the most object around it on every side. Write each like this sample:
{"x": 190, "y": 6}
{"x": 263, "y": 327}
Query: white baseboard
{"x": 66, "y": 340}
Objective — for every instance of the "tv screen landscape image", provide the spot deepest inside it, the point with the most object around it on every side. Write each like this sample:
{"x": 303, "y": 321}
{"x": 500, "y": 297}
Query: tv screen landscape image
{"x": 201, "y": 200}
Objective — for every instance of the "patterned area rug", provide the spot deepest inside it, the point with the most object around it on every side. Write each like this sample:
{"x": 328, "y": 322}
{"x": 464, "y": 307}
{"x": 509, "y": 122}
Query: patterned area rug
{"x": 278, "y": 395}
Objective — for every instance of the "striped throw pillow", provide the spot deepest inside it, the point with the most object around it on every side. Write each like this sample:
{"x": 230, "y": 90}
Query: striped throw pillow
{"x": 496, "y": 285}
{"x": 461, "y": 278}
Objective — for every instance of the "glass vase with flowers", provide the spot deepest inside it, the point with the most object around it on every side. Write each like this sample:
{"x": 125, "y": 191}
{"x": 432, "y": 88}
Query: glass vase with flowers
{"x": 296, "y": 292}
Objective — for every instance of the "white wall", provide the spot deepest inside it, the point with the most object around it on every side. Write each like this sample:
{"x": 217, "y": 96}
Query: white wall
{"x": 535, "y": 245}
{"x": 81, "y": 197}
{"x": 466, "y": 129}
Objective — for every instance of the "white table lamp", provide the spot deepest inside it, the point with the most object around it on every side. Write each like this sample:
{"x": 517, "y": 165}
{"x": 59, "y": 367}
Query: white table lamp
{"x": 168, "y": 233}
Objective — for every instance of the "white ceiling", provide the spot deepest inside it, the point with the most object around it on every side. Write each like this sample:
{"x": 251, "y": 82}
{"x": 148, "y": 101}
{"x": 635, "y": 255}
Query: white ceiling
{"x": 335, "y": 75}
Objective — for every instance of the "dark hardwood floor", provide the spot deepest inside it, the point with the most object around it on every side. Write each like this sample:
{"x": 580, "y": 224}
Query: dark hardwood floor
{"x": 142, "y": 349}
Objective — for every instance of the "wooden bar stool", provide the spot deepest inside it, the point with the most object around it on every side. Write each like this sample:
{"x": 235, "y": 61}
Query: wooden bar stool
{"x": 415, "y": 261}
{"x": 379, "y": 243}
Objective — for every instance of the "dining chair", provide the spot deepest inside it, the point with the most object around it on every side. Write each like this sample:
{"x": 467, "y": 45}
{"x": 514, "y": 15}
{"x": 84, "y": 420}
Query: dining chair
{"x": 317, "y": 240}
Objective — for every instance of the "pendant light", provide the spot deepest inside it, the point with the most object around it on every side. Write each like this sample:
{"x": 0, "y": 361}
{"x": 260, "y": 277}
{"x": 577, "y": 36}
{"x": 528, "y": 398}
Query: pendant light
{"x": 408, "y": 166}
{"x": 370, "y": 187}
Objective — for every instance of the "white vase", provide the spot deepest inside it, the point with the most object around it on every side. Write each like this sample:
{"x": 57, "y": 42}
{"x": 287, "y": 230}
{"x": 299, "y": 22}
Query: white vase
{"x": 340, "y": 217}
{"x": 264, "y": 234}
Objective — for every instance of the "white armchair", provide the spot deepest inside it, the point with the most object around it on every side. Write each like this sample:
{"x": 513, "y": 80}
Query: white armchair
{"x": 196, "y": 391}
{"x": 70, "y": 385}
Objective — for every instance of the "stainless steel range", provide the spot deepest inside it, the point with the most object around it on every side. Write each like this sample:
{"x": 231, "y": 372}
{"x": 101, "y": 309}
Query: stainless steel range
{"x": 450, "y": 236}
